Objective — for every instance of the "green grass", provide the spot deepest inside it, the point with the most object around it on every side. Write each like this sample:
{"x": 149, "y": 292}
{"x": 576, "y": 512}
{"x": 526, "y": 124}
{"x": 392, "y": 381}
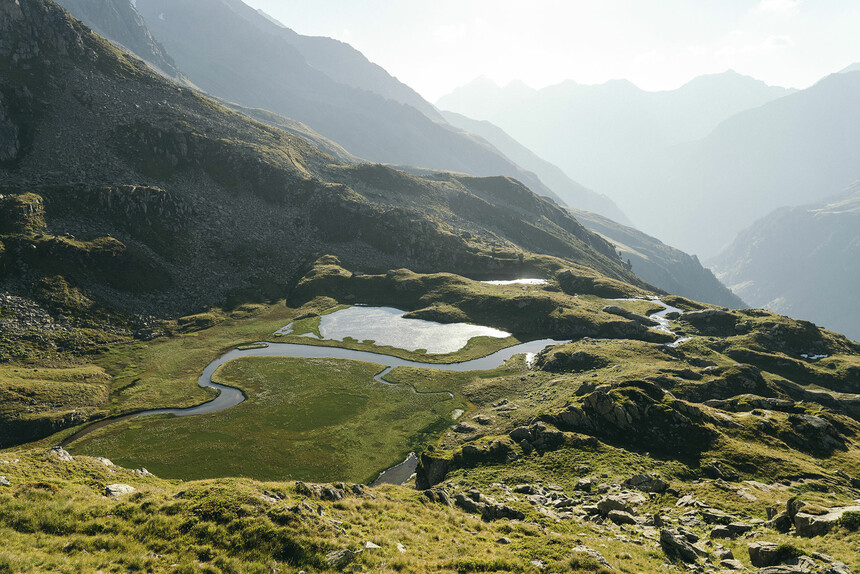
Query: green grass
{"x": 308, "y": 419}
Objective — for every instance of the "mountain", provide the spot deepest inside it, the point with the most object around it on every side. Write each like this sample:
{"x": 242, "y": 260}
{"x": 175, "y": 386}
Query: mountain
{"x": 792, "y": 151}
{"x": 661, "y": 265}
{"x": 233, "y": 52}
{"x": 571, "y": 193}
{"x": 852, "y": 68}
{"x": 802, "y": 260}
{"x": 160, "y": 200}
{"x": 121, "y": 23}
{"x": 606, "y": 136}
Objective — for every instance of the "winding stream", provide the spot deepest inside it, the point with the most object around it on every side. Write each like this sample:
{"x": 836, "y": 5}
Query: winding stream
{"x": 230, "y": 396}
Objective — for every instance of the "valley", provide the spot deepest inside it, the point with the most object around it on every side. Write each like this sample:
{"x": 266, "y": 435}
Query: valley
{"x": 232, "y": 343}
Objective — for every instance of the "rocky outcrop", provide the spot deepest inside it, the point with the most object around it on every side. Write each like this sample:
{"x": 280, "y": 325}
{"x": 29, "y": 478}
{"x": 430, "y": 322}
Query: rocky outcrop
{"x": 682, "y": 544}
{"x": 616, "y": 310}
{"x": 646, "y": 483}
{"x": 10, "y": 146}
{"x": 132, "y": 207}
{"x": 117, "y": 490}
{"x": 432, "y": 468}
{"x": 638, "y": 415}
{"x": 477, "y": 503}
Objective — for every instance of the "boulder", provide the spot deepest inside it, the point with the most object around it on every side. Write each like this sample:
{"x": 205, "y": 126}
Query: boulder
{"x": 371, "y": 546}
{"x": 809, "y": 525}
{"x": 621, "y": 517}
{"x": 61, "y": 454}
{"x": 4, "y": 481}
{"x": 117, "y": 490}
{"x": 731, "y": 564}
{"x": 767, "y": 554}
{"x": 716, "y": 516}
{"x": 339, "y": 559}
{"x": 597, "y": 556}
{"x": 646, "y": 483}
{"x": 676, "y": 544}
{"x": 781, "y": 522}
{"x": 613, "y": 502}
{"x": 584, "y": 485}
{"x": 438, "y": 495}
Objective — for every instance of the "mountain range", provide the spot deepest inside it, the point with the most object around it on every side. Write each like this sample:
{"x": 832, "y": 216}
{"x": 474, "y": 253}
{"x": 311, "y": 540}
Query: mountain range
{"x": 802, "y": 261}
{"x": 246, "y": 57}
{"x": 716, "y": 153}
{"x": 222, "y": 192}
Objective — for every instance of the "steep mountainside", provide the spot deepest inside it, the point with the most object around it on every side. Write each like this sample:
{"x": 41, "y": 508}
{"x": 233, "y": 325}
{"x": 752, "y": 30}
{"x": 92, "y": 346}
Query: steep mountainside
{"x": 233, "y": 52}
{"x": 345, "y": 64}
{"x": 160, "y": 200}
{"x": 607, "y": 136}
{"x": 666, "y": 267}
{"x": 804, "y": 261}
{"x": 121, "y": 23}
{"x": 571, "y": 193}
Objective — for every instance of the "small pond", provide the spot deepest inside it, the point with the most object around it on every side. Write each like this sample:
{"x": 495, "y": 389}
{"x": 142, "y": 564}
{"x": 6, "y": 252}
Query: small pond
{"x": 386, "y": 326}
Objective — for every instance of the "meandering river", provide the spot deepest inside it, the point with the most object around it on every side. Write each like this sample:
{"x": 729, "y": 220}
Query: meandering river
{"x": 230, "y": 396}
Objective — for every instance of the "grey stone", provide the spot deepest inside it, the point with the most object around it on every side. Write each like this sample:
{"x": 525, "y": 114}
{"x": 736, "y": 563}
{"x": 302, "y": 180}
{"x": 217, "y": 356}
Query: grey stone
{"x": 676, "y": 544}
{"x": 647, "y": 483}
{"x": 613, "y": 502}
{"x": 809, "y": 525}
{"x": 738, "y": 528}
{"x": 62, "y": 454}
{"x": 621, "y": 517}
{"x": 584, "y": 485}
{"x": 339, "y": 558}
{"x": 503, "y": 540}
{"x": 764, "y": 554}
{"x": 4, "y": 481}
{"x": 117, "y": 490}
{"x": 731, "y": 564}
{"x": 594, "y": 554}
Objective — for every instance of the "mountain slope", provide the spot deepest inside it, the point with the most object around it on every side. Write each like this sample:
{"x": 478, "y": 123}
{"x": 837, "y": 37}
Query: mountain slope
{"x": 233, "y": 52}
{"x": 793, "y": 151}
{"x": 121, "y": 22}
{"x": 659, "y": 264}
{"x": 571, "y": 193}
{"x": 345, "y": 64}
{"x": 803, "y": 261}
{"x": 161, "y": 200}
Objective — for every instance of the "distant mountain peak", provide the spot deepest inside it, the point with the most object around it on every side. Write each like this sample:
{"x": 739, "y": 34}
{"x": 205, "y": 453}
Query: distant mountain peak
{"x": 855, "y": 67}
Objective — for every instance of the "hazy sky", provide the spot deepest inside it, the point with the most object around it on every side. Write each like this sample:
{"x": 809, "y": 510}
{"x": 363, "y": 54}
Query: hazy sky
{"x": 437, "y": 45}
